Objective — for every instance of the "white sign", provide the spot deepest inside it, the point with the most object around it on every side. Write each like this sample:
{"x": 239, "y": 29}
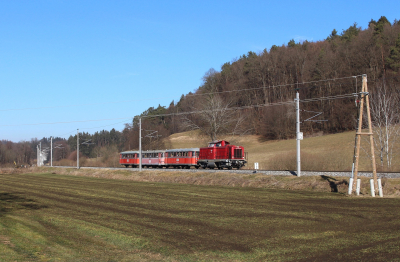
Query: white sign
{"x": 256, "y": 165}
{"x": 300, "y": 136}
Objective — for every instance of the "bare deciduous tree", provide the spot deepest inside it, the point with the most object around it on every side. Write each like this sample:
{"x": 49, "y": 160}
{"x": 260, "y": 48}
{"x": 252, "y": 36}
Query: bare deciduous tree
{"x": 385, "y": 117}
{"x": 214, "y": 118}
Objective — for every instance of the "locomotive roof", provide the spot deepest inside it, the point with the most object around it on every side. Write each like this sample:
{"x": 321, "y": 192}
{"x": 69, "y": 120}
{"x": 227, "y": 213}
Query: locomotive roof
{"x": 217, "y": 141}
{"x": 182, "y": 149}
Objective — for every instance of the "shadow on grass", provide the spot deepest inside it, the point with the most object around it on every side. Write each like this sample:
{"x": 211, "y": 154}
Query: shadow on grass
{"x": 334, "y": 183}
{"x": 11, "y": 201}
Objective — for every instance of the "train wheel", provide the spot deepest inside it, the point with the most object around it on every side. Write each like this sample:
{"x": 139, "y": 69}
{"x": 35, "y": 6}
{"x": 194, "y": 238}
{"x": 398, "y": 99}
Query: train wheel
{"x": 197, "y": 167}
{"x": 230, "y": 168}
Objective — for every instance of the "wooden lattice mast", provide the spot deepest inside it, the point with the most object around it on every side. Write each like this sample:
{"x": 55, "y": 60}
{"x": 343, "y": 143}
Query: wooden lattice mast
{"x": 364, "y": 95}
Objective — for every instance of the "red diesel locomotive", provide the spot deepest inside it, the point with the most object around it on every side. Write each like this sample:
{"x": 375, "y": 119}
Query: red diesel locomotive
{"x": 219, "y": 154}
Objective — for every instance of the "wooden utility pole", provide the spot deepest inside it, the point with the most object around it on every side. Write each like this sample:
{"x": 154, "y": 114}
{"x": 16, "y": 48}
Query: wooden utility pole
{"x": 364, "y": 95}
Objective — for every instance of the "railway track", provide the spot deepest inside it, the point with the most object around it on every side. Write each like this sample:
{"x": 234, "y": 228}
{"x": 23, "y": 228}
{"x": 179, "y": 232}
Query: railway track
{"x": 252, "y": 171}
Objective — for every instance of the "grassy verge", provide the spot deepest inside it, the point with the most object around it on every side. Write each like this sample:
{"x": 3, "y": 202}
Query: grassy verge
{"x": 52, "y": 217}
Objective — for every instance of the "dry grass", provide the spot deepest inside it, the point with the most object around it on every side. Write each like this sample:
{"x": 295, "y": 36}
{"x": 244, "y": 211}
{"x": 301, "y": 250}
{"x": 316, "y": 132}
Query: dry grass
{"x": 319, "y": 153}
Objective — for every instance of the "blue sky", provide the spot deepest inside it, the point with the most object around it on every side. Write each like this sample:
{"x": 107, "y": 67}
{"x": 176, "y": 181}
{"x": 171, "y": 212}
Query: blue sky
{"x": 70, "y": 61}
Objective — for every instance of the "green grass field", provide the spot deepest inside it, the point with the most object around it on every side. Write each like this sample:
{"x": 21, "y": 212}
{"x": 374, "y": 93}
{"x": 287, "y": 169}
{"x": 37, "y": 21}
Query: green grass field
{"x": 52, "y": 217}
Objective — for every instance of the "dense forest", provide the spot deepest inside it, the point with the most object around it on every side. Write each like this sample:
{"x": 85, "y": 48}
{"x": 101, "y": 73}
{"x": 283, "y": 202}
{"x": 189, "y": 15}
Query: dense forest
{"x": 253, "y": 93}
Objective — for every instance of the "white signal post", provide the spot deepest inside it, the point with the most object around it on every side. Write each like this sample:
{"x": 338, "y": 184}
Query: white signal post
{"x": 299, "y": 135}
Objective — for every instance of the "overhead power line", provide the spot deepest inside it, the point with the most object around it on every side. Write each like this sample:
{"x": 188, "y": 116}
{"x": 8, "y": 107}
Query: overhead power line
{"x": 194, "y": 112}
{"x": 256, "y": 106}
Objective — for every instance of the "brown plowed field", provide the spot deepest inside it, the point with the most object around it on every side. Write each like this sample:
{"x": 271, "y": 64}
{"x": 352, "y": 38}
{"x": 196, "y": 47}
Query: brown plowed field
{"x": 48, "y": 217}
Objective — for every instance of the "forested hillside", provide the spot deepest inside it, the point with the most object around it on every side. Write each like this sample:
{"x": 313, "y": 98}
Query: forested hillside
{"x": 236, "y": 98}
{"x": 250, "y": 94}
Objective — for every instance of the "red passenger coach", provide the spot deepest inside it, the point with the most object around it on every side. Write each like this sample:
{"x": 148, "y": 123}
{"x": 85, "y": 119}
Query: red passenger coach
{"x": 182, "y": 158}
{"x": 129, "y": 158}
{"x": 153, "y": 158}
{"x": 221, "y": 154}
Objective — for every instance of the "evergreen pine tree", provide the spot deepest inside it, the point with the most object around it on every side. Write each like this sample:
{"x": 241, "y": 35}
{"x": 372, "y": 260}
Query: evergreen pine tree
{"x": 393, "y": 60}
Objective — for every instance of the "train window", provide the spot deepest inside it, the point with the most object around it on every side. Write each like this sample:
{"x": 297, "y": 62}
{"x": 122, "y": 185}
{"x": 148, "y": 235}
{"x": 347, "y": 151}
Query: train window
{"x": 211, "y": 145}
{"x": 197, "y": 153}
